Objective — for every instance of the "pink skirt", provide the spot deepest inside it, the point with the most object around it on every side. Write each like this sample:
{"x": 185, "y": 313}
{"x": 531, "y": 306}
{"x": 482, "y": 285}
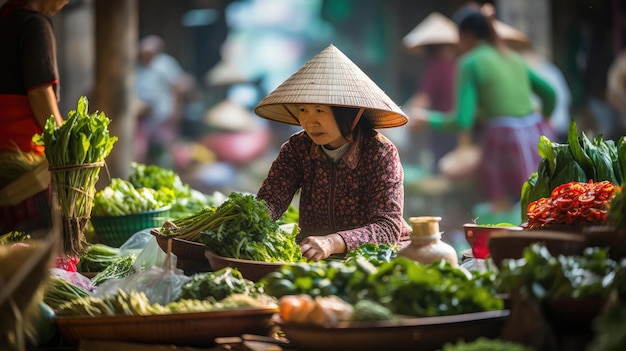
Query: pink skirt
{"x": 510, "y": 153}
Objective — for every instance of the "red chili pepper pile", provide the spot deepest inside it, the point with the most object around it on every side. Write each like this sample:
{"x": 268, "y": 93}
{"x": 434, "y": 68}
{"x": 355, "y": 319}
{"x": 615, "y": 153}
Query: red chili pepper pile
{"x": 572, "y": 203}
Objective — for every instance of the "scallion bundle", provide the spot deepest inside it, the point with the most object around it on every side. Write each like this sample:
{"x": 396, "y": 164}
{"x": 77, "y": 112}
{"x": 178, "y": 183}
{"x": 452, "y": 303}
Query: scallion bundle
{"x": 75, "y": 151}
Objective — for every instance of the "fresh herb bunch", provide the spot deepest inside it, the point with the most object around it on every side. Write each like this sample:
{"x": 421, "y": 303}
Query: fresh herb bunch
{"x": 241, "y": 227}
{"x": 75, "y": 151}
{"x": 120, "y": 268}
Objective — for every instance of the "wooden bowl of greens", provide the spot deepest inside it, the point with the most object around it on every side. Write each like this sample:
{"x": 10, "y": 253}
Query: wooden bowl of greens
{"x": 183, "y": 249}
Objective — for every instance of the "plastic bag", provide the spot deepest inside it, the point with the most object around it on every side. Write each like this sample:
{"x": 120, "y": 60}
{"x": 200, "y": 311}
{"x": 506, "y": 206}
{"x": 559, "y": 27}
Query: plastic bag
{"x": 152, "y": 256}
{"x": 72, "y": 277}
{"x": 137, "y": 242}
{"x": 161, "y": 285}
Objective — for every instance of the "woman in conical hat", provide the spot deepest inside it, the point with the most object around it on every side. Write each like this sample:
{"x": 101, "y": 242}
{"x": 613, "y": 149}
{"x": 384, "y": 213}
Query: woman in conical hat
{"x": 349, "y": 175}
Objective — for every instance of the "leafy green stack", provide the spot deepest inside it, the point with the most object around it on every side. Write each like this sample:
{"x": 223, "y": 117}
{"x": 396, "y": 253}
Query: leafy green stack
{"x": 75, "y": 151}
{"x": 580, "y": 160}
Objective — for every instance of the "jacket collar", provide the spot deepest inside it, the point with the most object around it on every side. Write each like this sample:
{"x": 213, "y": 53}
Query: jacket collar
{"x": 350, "y": 157}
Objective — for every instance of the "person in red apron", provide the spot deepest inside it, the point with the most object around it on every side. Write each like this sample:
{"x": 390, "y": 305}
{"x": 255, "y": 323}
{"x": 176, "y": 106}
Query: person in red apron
{"x": 28, "y": 95}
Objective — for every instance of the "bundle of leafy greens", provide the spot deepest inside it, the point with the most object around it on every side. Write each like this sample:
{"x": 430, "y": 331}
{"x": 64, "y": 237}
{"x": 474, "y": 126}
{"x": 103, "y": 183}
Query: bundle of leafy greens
{"x": 580, "y": 160}
{"x": 241, "y": 227}
{"x": 75, "y": 151}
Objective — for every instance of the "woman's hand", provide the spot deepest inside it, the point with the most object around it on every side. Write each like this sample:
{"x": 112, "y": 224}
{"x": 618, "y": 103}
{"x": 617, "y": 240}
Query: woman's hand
{"x": 315, "y": 248}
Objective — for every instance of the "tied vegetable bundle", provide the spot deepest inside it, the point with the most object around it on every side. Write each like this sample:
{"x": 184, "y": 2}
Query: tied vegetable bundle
{"x": 75, "y": 151}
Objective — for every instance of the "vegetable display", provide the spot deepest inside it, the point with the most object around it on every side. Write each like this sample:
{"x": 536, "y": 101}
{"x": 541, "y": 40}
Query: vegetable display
{"x": 580, "y": 160}
{"x": 218, "y": 285}
{"x": 121, "y": 198}
{"x": 540, "y": 275}
{"x": 572, "y": 203}
{"x": 401, "y": 285}
{"x": 137, "y": 303}
{"x": 75, "y": 151}
{"x": 187, "y": 200}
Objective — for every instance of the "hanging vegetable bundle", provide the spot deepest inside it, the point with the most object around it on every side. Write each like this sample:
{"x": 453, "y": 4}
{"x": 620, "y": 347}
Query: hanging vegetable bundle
{"x": 75, "y": 151}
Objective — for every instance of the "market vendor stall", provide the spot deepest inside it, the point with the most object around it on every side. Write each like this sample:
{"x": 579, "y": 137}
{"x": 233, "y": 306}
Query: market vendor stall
{"x": 555, "y": 282}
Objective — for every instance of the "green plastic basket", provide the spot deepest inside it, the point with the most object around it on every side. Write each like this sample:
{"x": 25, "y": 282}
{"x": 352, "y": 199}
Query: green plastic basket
{"x": 115, "y": 230}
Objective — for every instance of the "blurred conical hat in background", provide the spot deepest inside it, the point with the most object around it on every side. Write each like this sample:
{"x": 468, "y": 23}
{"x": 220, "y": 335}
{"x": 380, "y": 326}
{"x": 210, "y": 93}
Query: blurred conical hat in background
{"x": 433, "y": 30}
{"x": 225, "y": 73}
{"x": 513, "y": 37}
{"x": 331, "y": 78}
{"x": 228, "y": 115}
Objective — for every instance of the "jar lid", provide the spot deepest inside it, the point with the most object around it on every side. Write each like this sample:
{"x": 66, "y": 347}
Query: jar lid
{"x": 425, "y": 225}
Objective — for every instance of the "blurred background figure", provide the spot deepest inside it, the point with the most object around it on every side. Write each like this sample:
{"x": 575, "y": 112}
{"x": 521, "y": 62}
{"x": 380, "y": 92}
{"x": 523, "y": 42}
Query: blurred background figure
{"x": 494, "y": 99}
{"x": 435, "y": 39}
{"x": 560, "y": 119}
{"x": 616, "y": 89}
{"x": 161, "y": 87}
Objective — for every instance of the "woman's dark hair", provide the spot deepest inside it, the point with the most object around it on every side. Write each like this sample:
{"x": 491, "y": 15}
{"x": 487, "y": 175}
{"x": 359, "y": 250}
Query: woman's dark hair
{"x": 471, "y": 20}
{"x": 478, "y": 25}
{"x": 344, "y": 116}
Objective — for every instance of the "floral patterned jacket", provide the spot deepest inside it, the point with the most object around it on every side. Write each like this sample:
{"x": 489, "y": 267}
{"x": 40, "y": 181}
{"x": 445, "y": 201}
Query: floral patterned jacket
{"x": 360, "y": 196}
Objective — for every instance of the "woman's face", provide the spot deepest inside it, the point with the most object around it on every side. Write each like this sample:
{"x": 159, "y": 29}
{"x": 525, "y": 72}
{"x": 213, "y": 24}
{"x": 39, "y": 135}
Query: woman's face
{"x": 466, "y": 42}
{"x": 319, "y": 123}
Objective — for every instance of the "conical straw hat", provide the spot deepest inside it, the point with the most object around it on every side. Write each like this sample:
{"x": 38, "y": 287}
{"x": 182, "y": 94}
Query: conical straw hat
{"x": 229, "y": 115}
{"x": 513, "y": 37}
{"x": 330, "y": 78}
{"x": 434, "y": 29}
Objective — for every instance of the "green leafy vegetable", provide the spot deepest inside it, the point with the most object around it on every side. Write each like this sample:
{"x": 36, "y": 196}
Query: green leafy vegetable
{"x": 218, "y": 285}
{"x": 241, "y": 227}
{"x": 122, "y": 198}
{"x": 75, "y": 151}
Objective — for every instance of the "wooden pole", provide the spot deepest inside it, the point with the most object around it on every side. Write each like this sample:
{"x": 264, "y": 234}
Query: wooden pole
{"x": 116, "y": 28}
